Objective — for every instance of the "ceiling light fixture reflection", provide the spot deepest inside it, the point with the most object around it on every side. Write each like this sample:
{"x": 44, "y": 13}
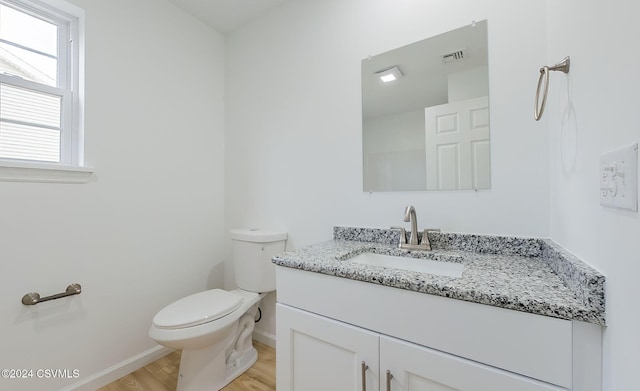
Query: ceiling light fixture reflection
{"x": 389, "y": 75}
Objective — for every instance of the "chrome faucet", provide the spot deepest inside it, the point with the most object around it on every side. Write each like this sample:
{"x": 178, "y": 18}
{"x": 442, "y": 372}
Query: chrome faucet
{"x": 413, "y": 243}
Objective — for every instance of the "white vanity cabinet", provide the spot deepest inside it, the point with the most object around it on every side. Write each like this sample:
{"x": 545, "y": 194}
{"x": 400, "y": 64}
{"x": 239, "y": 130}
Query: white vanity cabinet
{"x": 327, "y": 326}
{"x": 317, "y": 354}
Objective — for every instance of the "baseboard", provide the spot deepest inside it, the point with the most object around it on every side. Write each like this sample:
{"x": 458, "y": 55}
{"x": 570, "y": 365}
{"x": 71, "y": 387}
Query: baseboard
{"x": 119, "y": 370}
{"x": 264, "y": 337}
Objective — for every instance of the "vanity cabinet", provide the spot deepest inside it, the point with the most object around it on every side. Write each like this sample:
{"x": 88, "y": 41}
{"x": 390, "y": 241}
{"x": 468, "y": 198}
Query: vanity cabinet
{"x": 327, "y": 326}
{"x": 318, "y": 353}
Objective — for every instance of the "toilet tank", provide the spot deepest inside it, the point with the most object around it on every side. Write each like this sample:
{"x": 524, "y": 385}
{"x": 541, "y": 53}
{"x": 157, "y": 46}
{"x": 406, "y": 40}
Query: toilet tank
{"x": 252, "y": 252}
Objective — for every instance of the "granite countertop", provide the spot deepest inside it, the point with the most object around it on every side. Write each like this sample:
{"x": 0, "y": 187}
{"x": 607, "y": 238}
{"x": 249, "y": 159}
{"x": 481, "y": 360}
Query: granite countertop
{"x": 529, "y": 275}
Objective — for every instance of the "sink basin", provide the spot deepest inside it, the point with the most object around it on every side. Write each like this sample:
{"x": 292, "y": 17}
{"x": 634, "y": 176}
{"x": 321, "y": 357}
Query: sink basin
{"x": 440, "y": 268}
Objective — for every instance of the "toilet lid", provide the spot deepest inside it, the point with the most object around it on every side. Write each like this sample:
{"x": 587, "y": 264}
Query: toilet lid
{"x": 197, "y": 309}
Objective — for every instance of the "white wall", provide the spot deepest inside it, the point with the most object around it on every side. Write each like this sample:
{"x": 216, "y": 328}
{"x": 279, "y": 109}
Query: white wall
{"x": 591, "y": 111}
{"x": 293, "y": 130}
{"x": 150, "y": 228}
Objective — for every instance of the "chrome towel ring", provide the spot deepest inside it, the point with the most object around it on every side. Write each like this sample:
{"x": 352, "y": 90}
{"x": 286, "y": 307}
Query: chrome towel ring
{"x": 562, "y": 66}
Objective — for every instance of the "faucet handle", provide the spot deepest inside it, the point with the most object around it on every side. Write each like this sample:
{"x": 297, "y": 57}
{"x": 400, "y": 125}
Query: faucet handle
{"x": 425, "y": 239}
{"x": 403, "y": 235}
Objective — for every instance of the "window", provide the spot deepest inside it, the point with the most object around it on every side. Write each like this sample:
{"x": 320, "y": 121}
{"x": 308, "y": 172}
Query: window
{"x": 39, "y": 83}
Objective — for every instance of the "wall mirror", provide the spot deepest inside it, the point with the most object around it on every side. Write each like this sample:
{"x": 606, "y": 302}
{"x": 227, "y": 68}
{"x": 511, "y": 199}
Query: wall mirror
{"x": 425, "y": 114}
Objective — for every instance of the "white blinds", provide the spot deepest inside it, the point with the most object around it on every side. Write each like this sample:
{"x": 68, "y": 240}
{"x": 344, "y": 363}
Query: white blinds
{"x": 30, "y": 124}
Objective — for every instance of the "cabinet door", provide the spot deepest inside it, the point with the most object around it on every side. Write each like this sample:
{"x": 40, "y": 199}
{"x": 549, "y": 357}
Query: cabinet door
{"x": 314, "y": 353}
{"x": 416, "y": 368}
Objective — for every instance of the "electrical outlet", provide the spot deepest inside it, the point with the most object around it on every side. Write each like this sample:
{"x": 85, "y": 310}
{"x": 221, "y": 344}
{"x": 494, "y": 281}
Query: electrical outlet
{"x": 619, "y": 178}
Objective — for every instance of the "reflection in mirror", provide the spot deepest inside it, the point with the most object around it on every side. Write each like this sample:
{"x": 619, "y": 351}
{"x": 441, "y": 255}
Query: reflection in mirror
{"x": 427, "y": 126}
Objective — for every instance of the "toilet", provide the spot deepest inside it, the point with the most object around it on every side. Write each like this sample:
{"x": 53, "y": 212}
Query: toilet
{"x": 214, "y": 328}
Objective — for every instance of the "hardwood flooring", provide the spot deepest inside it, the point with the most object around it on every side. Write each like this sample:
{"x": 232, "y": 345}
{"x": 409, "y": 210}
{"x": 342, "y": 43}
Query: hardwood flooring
{"x": 162, "y": 375}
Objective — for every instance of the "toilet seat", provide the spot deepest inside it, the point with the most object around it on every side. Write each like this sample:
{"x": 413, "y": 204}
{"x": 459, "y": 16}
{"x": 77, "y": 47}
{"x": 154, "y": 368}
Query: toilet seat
{"x": 197, "y": 309}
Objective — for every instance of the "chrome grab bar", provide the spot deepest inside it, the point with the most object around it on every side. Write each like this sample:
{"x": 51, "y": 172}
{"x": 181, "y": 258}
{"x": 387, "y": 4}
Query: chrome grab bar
{"x": 562, "y": 66}
{"x": 34, "y": 298}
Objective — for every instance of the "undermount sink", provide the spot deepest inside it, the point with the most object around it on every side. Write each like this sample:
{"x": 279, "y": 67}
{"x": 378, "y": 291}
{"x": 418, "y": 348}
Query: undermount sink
{"x": 440, "y": 268}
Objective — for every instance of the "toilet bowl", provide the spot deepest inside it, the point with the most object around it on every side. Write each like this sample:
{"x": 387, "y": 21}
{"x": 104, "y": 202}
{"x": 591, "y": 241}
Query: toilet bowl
{"x": 214, "y": 328}
{"x": 216, "y": 344}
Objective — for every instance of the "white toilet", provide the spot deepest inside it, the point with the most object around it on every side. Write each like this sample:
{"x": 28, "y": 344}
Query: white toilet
{"x": 213, "y": 328}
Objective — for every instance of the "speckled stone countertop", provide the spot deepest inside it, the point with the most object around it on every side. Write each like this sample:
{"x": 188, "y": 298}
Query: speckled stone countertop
{"x": 530, "y": 275}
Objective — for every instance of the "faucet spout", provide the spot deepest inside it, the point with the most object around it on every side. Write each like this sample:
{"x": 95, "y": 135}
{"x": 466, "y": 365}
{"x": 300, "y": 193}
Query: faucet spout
{"x": 410, "y": 216}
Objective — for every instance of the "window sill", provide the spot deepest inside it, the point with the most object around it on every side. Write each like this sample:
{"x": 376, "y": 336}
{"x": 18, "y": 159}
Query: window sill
{"x": 43, "y": 172}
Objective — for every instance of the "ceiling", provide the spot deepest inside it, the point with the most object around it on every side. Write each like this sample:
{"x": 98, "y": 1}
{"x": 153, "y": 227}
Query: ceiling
{"x": 226, "y": 15}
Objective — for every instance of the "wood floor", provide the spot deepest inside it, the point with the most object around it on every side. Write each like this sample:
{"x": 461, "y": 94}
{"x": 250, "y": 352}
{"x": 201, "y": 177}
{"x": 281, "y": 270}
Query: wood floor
{"x": 162, "y": 375}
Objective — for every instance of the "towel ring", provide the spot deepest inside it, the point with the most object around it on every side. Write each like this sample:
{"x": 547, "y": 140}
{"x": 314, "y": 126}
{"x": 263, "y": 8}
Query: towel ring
{"x": 562, "y": 66}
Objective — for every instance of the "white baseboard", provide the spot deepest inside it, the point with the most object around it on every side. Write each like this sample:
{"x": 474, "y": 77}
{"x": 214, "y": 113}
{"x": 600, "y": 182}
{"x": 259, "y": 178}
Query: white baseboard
{"x": 264, "y": 337}
{"x": 119, "y": 370}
